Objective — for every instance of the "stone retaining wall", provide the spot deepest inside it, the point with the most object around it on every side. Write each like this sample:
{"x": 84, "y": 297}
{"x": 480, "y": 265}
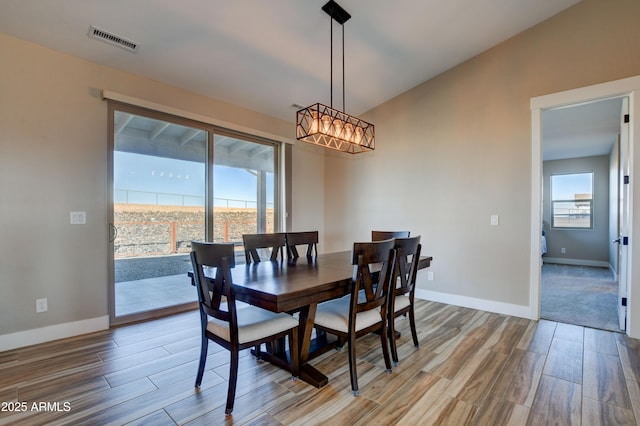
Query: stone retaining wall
{"x": 150, "y": 230}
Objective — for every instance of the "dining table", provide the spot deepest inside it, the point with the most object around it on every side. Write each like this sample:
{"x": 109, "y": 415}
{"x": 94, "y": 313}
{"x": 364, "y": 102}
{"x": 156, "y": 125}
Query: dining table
{"x": 298, "y": 285}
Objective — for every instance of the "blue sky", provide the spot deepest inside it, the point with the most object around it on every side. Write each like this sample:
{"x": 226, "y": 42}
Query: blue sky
{"x": 136, "y": 172}
{"x": 565, "y": 186}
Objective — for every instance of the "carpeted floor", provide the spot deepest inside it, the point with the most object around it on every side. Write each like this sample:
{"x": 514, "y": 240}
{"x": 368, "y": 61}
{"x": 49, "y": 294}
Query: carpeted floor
{"x": 580, "y": 295}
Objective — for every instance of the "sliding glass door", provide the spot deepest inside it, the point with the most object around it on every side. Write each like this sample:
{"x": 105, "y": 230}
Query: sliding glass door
{"x": 158, "y": 198}
{"x": 243, "y": 187}
{"x": 174, "y": 181}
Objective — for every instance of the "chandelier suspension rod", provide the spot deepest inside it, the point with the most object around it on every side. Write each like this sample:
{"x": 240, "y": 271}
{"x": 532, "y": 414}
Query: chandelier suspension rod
{"x": 344, "y": 89}
{"x": 344, "y": 108}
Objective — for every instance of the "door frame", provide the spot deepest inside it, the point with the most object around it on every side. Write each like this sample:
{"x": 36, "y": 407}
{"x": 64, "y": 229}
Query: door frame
{"x": 628, "y": 87}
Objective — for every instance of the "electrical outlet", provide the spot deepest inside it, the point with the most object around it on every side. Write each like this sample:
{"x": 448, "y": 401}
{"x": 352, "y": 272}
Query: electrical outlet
{"x": 495, "y": 220}
{"x": 430, "y": 275}
{"x": 41, "y": 305}
{"x": 563, "y": 250}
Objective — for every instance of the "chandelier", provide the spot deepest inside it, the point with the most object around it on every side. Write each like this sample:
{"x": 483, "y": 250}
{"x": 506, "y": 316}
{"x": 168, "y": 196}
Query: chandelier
{"x": 326, "y": 126}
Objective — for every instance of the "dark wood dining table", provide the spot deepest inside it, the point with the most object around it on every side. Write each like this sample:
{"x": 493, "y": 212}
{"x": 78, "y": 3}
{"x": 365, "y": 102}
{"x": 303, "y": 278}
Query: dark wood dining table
{"x": 298, "y": 286}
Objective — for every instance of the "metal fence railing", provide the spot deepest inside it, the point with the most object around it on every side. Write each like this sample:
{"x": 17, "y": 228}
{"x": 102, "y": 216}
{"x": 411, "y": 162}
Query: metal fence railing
{"x": 129, "y": 196}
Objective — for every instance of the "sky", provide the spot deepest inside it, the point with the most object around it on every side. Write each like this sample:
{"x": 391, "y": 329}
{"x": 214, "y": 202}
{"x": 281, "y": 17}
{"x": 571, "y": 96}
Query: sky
{"x": 146, "y": 179}
{"x": 565, "y": 186}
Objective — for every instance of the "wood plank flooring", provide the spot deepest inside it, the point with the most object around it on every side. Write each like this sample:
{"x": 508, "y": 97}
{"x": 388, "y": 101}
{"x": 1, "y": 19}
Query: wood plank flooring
{"x": 472, "y": 367}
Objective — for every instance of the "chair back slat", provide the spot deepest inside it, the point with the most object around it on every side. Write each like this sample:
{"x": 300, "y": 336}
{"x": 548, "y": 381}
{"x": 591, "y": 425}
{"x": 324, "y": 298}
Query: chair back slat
{"x": 385, "y": 235}
{"x": 212, "y": 292}
{"x": 275, "y": 242}
{"x": 374, "y": 265}
{"x": 408, "y": 255}
{"x": 308, "y": 238}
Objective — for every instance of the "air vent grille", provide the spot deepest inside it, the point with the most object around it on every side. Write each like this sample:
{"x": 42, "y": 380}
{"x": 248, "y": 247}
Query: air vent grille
{"x": 113, "y": 39}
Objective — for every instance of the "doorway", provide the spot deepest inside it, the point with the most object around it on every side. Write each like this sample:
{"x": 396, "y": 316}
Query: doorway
{"x": 159, "y": 184}
{"x": 615, "y": 89}
{"x": 580, "y": 153}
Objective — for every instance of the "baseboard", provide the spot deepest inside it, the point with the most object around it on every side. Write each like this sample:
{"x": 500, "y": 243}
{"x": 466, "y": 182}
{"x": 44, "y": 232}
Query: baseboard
{"x": 474, "y": 303}
{"x": 53, "y": 332}
{"x": 576, "y": 262}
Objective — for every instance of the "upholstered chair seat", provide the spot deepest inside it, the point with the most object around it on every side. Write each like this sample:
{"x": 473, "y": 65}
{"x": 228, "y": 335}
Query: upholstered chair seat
{"x": 253, "y": 324}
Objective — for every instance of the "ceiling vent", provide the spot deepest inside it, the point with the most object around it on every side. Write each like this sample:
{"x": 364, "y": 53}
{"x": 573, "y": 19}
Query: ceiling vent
{"x": 112, "y": 39}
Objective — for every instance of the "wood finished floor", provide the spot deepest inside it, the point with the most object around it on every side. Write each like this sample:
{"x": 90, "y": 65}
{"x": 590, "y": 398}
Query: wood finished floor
{"x": 472, "y": 367}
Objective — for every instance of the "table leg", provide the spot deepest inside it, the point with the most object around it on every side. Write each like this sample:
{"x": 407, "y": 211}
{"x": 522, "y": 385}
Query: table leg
{"x": 308, "y": 373}
{"x": 305, "y": 328}
{"x": 276, "y": 351}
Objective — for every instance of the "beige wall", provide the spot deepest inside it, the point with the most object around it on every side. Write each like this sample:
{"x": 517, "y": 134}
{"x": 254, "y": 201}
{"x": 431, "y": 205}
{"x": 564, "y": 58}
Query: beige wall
{"x": 457, "y": 149}
{"x": 307, "y": 185}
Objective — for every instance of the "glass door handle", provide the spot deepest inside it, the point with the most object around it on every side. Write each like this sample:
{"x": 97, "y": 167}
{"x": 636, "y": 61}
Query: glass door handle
{"x": 113, "y": 232}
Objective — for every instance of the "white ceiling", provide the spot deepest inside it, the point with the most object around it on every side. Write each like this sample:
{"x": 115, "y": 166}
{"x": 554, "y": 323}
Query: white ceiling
{"x": 267, "y": 55}
{"x": 583, "y": 130}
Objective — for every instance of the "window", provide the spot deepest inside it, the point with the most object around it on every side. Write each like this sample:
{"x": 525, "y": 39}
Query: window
{"x": 572, "y": 201}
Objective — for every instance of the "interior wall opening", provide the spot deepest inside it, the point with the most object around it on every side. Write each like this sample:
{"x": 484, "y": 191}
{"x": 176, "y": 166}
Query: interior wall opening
{"x": 579, "y": 263}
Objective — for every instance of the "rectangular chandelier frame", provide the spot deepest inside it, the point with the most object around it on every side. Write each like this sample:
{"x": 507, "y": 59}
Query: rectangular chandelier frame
{"x": 325, "y": 126}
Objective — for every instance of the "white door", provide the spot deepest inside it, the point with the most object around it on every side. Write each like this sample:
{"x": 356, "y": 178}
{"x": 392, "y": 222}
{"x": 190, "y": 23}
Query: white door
{"x": 623, "y": 213}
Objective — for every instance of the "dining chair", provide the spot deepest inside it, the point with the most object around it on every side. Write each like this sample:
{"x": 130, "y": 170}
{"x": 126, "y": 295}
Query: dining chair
{"x": 365, "y": 309}
{"x": 308, "y": 238}
{"x": 386, "y": 235}
{"x": 401, "y": 296}
{"x": 224, "y": 323}
{"x": 274, "y": 242}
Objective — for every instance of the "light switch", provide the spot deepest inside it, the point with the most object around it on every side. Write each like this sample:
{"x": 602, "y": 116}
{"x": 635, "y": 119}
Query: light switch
{"x": 494, "y": 220}
{"x": 78, "y": 218}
